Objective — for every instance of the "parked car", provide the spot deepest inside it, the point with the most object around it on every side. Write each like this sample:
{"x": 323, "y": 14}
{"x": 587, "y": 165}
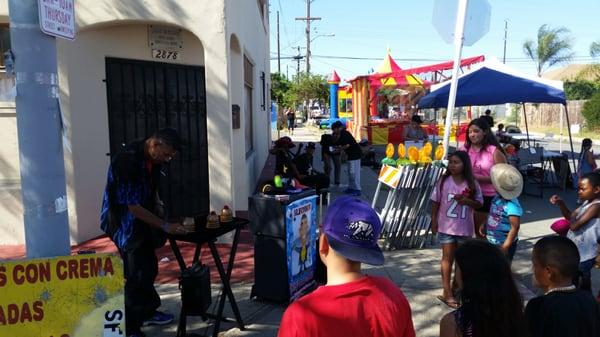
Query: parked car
{"x": 316, "y": 111}
{"x": 512, "y": 129}
{"x": 326, "y": 123}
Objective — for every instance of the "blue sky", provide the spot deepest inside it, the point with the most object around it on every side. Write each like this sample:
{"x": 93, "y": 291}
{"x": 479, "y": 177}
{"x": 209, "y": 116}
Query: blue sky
{"x": 365, "y": 29}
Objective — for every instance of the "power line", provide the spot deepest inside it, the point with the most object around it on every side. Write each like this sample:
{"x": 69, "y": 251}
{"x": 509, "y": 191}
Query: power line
{"x": 282, "y": 19}
{"x": 424, "y": 59}
{"x": 336, "y": 66}
{"x": 295, "y": 42}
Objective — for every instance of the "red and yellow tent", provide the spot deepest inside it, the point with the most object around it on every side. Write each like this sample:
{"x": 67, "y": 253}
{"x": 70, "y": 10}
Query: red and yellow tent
{"x": 365, "y": 123}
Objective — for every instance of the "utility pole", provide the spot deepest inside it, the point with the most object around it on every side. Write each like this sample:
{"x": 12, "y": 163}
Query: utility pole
{"x": 505, "y": 33}
{"x": 298, "y": 58}
{"x": 308, "y": 19}
{"x": 278, "y": 50}
{"x": 39, "y": 130}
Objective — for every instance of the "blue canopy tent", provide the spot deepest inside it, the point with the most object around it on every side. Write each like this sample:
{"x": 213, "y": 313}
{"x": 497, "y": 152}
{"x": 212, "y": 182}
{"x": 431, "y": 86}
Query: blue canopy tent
{"x": 491, "y": 83}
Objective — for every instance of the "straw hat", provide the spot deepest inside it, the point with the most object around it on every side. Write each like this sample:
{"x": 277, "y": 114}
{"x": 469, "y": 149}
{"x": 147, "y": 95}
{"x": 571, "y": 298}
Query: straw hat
{"x": 507, "y": 180}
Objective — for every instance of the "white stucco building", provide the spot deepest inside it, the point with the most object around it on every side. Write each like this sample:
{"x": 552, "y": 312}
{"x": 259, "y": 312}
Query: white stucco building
{"x": 120, "y": 71}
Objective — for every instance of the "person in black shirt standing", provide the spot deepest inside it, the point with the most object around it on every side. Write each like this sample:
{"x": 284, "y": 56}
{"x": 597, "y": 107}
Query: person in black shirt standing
{"x": 563, "y": 310}
{"x": 345, "y": 141}
{"x": 488, "y": 117}
{"x": 291, "y": 120}
{"x": 329, "y": 155}
{"x": 131, "y": 217}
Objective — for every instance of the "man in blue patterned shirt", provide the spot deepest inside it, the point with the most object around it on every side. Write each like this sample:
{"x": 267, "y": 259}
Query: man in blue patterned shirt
{"x": 130, "y": 215}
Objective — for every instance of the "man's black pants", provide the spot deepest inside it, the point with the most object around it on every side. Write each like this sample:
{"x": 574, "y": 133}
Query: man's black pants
{"x": 141, "y": 299}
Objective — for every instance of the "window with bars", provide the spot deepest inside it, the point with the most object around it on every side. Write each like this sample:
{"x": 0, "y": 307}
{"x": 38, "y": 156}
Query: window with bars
{"x": 248, "y": 104}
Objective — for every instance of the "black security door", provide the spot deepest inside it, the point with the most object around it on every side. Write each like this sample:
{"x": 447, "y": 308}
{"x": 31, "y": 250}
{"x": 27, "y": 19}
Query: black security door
{"x": 145, "y": 96}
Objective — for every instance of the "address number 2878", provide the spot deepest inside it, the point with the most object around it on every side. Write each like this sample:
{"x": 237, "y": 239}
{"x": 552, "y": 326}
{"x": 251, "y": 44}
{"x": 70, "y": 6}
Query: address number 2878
{"x": 164, "y": 54}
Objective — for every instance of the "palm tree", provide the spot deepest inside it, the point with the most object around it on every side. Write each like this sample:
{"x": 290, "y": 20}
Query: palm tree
{"x": 595, "y": 49}
{"x": 593, "y": 70}
{"x": 553, "y": 46}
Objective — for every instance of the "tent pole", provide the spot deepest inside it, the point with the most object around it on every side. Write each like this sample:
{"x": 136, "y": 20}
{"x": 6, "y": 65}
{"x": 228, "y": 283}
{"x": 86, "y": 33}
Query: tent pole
{"x": 435, "y": 118}
{"x": 570, "y": 138}
{"x": 457, "y": 126}
{"x": 526, "y": 127}
{"x": 561, "y": 132}
{"x": 458, "y": 44}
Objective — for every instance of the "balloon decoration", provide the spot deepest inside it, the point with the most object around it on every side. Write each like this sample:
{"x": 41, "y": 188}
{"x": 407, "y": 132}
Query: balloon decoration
{"x": 413, "y": 154}
{"x": 401, "y": 151}
{"x": 389, "y": 154}
{"x": 439, "y": 153}
{"x": 416, "y": 157}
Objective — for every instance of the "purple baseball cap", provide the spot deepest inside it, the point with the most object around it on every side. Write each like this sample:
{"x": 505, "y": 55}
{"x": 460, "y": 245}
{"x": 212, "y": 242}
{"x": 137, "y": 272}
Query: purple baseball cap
{"x": 352, "y": 228}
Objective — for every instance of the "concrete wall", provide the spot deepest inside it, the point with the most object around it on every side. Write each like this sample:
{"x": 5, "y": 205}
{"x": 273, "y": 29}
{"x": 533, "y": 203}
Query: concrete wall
{"x": 253, "y": 44}
{"x": 546, "y": 115}
{"x": 9, "y": 151}
{"x": 113, "y": 28}
{"x": 11, "y": 208}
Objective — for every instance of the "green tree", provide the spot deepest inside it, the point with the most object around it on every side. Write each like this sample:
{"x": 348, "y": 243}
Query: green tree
{"x": 280, "y": 86}
{"x": 591, "y": 112}
{"x": 553, "y": 46}
{"x": 514, "y": 117}
{"x": 595, "y": 49}
{"x": 580, "y": 89}
{"x": 308, "y": 87}
{"x": 593, "y": 70}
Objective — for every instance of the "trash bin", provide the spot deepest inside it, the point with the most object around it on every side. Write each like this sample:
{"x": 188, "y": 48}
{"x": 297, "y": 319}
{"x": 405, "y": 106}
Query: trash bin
{"x": 285, "y": 252}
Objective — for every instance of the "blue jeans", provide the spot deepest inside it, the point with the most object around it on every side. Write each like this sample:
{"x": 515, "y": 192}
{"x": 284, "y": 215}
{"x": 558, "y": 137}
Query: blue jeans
{"x": 444, "y": 238}
{"x": 354, "y": 174}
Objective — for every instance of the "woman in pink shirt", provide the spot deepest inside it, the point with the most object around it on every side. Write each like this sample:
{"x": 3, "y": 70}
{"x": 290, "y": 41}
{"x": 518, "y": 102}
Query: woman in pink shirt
{"x": 485, "y": 151}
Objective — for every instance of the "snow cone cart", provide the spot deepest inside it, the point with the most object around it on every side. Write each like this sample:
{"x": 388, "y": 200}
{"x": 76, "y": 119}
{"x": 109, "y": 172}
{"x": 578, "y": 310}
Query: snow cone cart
{"x": 409, "y": 181}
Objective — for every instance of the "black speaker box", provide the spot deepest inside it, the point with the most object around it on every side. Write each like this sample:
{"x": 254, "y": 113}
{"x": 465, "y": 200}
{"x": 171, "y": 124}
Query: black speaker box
{"x": 270, "y": 269}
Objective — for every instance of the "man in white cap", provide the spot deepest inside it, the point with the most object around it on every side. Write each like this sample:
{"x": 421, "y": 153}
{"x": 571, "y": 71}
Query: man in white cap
{"x": 351, "y": 303}
{"x": 502, "y": 227}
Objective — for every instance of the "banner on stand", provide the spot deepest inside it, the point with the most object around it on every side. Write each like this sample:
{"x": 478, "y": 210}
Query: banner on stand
{"x": 301, "y": 243}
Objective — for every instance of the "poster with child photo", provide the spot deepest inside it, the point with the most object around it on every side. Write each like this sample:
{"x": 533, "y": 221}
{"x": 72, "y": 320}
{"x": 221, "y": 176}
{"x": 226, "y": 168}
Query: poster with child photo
{"x": 301, "y": 237}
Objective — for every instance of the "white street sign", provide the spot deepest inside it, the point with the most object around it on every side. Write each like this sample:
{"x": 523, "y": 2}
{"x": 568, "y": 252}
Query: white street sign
{"x": 57, "y": 18}
{"x": 477, "y": 20}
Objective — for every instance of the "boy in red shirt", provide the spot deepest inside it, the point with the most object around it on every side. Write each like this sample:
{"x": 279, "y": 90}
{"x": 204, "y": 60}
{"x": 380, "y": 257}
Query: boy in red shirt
{"x": 351, "y": 303}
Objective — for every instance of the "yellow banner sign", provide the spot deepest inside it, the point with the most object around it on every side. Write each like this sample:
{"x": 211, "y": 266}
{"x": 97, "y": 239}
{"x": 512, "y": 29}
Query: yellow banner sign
{"x": 67, "y": 296}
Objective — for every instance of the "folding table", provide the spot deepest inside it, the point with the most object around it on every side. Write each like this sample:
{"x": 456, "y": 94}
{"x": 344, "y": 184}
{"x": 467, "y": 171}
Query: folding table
{"x": 201, "y": 236}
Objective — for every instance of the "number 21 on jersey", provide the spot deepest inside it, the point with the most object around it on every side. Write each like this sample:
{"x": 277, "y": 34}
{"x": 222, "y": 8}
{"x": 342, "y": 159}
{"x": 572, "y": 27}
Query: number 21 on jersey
{"x": 454, "y": 208}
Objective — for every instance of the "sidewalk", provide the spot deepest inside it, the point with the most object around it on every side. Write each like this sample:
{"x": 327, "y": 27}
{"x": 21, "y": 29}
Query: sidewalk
{"x": 416, "y": 272}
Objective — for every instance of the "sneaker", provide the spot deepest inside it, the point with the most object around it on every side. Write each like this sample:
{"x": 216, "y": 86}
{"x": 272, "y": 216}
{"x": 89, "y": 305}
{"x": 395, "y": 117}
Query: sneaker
{"x": 159, "y": 318}
{"x": 348, "y": 191}
{"x": 356, "y": 193}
